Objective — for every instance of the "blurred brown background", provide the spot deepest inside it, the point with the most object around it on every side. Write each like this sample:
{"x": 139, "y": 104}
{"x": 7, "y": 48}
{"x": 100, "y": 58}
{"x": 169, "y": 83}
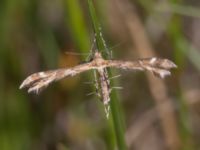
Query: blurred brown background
{"x": 158, "y": 114}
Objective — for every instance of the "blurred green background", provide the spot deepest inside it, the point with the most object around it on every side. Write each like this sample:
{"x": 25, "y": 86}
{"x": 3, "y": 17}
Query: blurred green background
{"x": 35, "y": 36}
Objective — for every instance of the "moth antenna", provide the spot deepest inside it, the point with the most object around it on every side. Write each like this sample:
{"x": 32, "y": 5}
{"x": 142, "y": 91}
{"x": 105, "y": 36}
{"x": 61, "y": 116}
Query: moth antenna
{"x": 114, "y": 77}
{"x": 89, "y": 82}
{"x": 117, "y": 87}
{"x": 94, "y": 93}
{"x": 91, "y": 93}
{"x": 114, "y": 46}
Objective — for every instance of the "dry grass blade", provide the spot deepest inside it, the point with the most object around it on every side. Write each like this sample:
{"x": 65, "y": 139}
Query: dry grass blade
{"x": 143, "y": 45}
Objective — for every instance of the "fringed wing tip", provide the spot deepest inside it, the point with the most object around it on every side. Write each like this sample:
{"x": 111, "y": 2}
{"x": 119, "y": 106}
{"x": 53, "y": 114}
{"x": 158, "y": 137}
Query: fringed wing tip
{"x": 38, "y": 81}
{"x": 164, "y": 73}
{"x": 172, "y": 64}
{"x": 25, "y": 83}
{"x": 166, "y": 64}
{"x": 161, "y": 67}
{"x": 161, "y": 73}
{"x": 21, "y": 86}
{"x": 34, "y": 90}
{"x": 29, "y": 80}
{"x": 31, "y": 88}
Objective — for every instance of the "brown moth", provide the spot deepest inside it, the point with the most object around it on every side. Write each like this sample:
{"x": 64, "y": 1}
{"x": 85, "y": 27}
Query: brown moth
{"x": 38, "y": 81}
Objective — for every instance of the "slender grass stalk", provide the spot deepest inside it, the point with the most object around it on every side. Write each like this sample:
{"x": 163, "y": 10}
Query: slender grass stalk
{"x": 75, "y": 20}
{"x": 181, "y": 45}
{"x": 77, "y": 25}
{"x": 180, "y": 9}
{"x": 116, "y": 111}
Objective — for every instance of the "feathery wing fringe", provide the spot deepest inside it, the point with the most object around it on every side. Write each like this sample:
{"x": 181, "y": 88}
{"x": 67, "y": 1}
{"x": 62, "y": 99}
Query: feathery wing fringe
{"x": 159, "y": 67}
{"x": 38, "y": 81}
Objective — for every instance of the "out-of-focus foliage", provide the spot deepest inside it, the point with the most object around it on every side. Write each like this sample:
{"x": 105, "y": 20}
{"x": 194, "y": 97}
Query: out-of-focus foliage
{"x": 34, "y": 36}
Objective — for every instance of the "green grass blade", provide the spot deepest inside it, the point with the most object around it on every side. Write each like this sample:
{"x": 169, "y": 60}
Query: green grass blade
{"x": 77, "y": 25}
{"x": 115, "y": 106}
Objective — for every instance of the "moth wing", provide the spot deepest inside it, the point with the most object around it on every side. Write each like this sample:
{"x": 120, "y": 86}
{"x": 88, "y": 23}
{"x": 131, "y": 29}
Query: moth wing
{"x": 159, "y": 67}
{"x": 38, "y": 81}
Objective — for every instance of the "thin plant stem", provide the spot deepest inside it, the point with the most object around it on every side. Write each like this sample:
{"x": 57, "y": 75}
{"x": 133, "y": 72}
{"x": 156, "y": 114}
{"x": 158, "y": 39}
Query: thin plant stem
{"x": 116, "y": 112}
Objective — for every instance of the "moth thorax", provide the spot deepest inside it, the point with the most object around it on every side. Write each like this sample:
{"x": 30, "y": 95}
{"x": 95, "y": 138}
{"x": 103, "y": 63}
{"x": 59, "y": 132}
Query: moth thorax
{"x": 98, "y": 58}
{"x": 97, "y": 55}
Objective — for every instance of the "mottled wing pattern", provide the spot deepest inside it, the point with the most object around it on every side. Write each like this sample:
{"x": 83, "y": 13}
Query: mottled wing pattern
{"x": 38, "y": 81}
{"x": 159, "y": 67}
{"x": 104, "y": 88}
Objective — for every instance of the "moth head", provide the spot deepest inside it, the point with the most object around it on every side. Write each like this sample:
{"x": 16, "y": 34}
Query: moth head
{"x": 97, "y": 55}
